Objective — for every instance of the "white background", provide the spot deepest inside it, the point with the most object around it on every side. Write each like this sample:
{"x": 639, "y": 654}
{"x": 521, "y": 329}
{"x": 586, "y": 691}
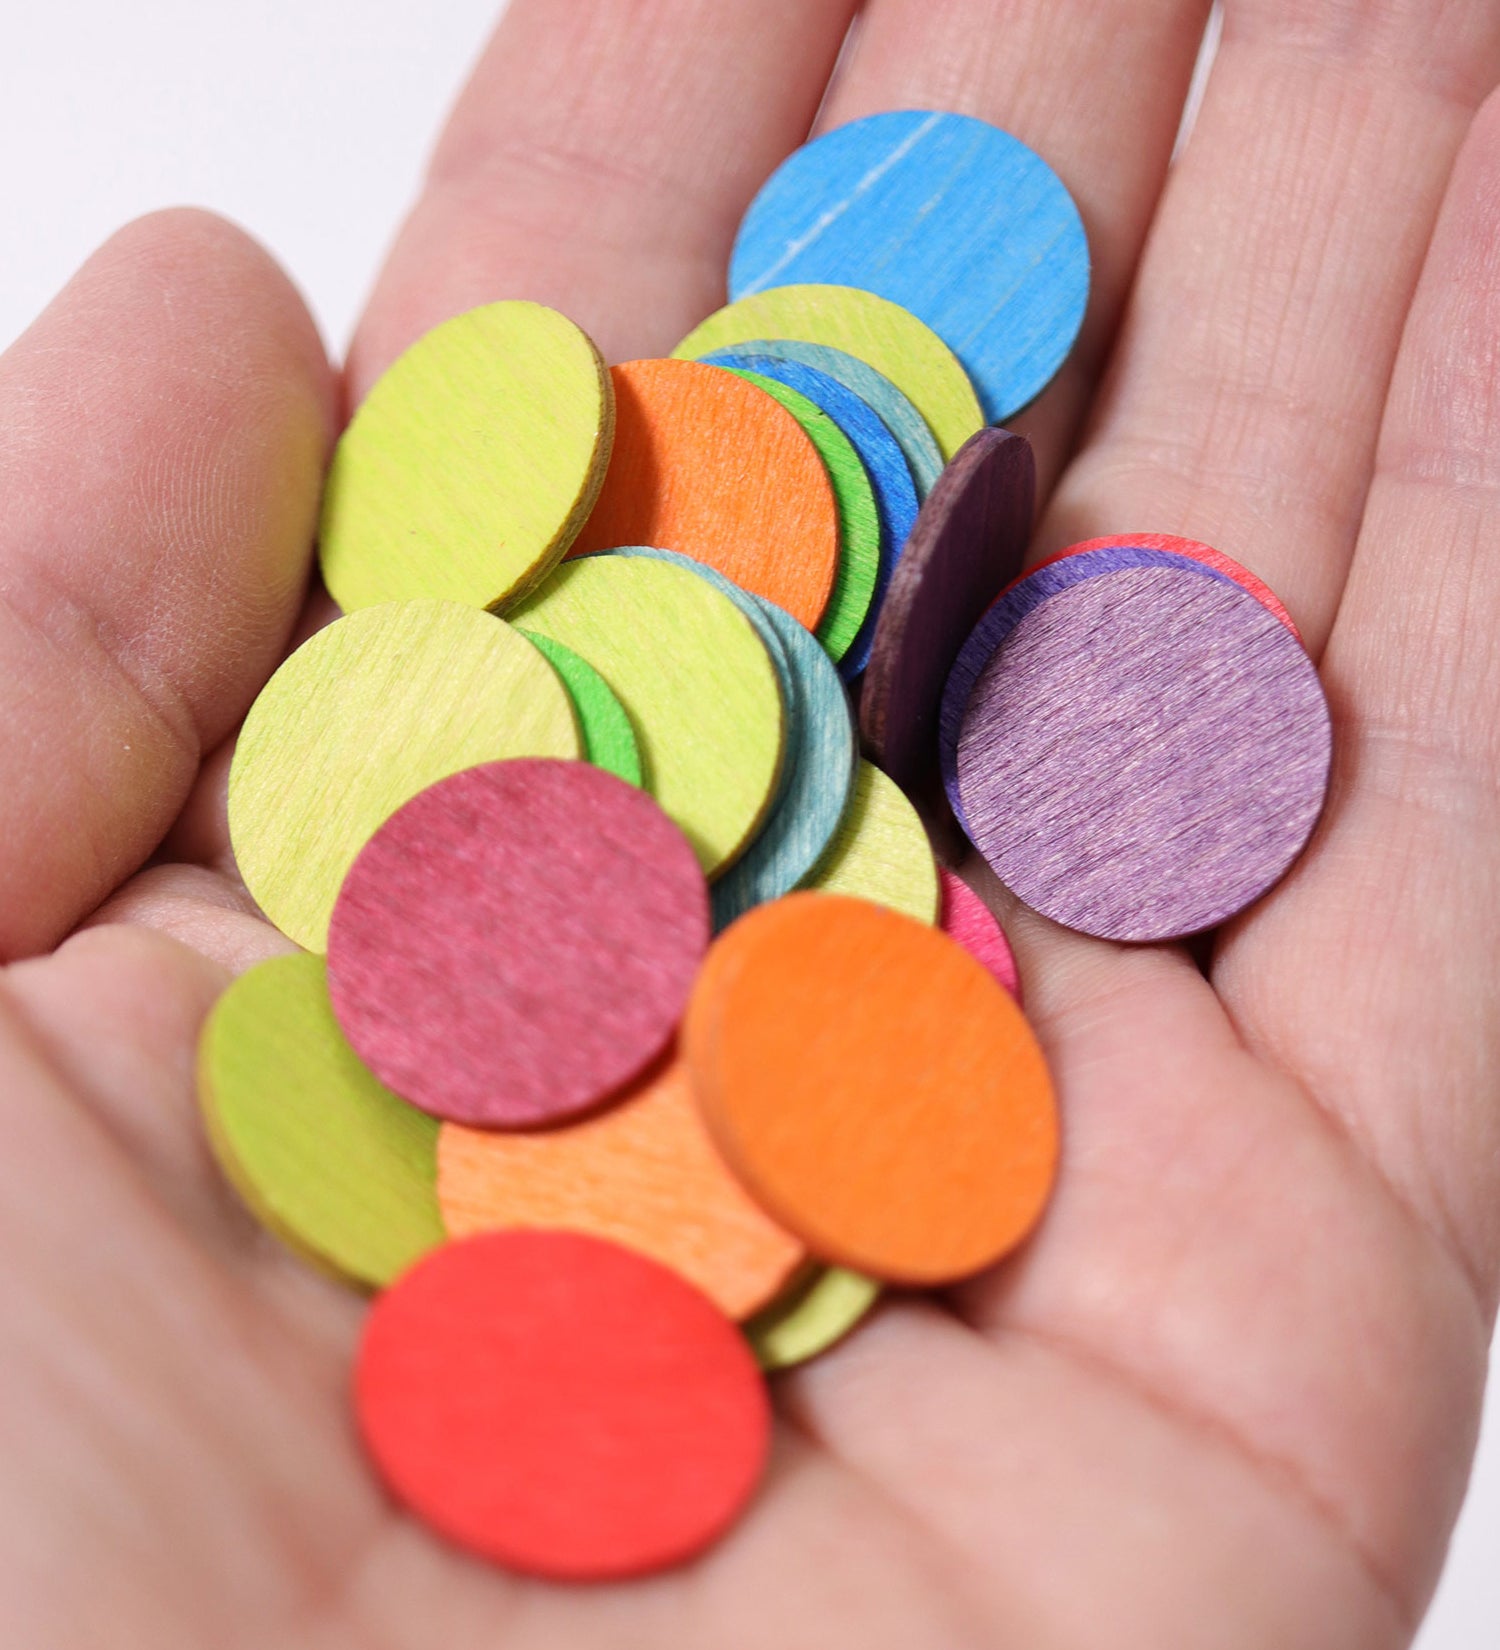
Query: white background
{"x": 308, "y": 122}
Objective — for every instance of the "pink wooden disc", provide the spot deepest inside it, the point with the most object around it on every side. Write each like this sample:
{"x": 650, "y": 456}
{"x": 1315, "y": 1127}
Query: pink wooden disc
{"x": 965, "y": 917}
{"x": 517, "y": 942}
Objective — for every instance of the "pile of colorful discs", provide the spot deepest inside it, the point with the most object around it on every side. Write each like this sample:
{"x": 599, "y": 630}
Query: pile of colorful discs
{"x": 636, "y": 1038}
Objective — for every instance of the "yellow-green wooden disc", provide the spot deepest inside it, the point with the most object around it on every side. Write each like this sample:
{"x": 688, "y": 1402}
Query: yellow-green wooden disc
{"x": 694, "y": 678}
{"x": 878, "y": 332}
{"x": 339, "y": 1168}
{"x": 361, "y": 717}
{"x": 472, "y": 463}
{"x": 880, "y": 851}
{"x": 812, "y": 1318}
{"x": 609, "y": 741}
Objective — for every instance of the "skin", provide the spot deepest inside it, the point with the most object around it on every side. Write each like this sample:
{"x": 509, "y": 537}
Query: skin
{"x": 1228, "y": 1394}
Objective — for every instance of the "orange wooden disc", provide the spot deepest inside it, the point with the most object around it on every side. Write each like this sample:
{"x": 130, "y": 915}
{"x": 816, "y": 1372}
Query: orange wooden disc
{"x": 644, "y": 1174}
{"x": 874, "y": 1086}
{"x": 708, "y": 464}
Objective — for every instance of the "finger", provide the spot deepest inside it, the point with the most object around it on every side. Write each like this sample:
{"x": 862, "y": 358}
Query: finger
{"x": 208, "y": 911}
{"x": 1404, "y": 1048}
{"x": 599, "y": 161}
{"x": 1097, "y": 90}
{"x": 1244, "y": 394}
{"x": 166, "y": 420}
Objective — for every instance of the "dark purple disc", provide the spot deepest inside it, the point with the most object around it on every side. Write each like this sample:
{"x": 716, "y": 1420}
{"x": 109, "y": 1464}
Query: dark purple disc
{"x": 967, "y": 545}
{"x": 1145, "y": 753}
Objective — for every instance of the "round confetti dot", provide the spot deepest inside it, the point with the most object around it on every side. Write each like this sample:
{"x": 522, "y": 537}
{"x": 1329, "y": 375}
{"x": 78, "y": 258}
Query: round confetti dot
{"x": 949, "y": 217}
{"x": 880, "y": 851}
{"x": 814, "y": 1316}
{"x": 859, "y": 520}
{"x": 517, "y": 942}
{"x": 471, "y": 463}
{"x": 608, "y": 738}
{"x": 964, "y": 917}
{"x": 874, "y": 1087}
{"x": 325, "y": 1156}
{"x": 361, "y": 717}
{"x": 644, "y": 1174}
{"x": 700, "y": 689}
{"x": 967, "y": 545}
{"x": 561, "y": 1406}
{"x": 882, "y": 334}
{"x": 819, "y": 783}
{"x": 709, "y": 465}
{"x": 1146, "y": 752}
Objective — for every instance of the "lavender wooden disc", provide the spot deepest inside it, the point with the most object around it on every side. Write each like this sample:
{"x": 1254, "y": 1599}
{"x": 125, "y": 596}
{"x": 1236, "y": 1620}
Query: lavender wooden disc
{"x": 967, "y": 545}
{"x": 1145, "y": 753}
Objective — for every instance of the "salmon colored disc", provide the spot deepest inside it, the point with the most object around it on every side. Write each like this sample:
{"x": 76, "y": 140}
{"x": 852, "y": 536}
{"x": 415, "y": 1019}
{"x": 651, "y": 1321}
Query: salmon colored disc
{"x": 708, "y": 464}
{"x": 644, "y": 1173}
{"x": 873, "y": 1085}
{"x": 561, "y": 1405}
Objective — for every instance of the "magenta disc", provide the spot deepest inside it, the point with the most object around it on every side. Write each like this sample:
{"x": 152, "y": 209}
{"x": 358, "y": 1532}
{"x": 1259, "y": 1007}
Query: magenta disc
{"x": 517, "y": 942}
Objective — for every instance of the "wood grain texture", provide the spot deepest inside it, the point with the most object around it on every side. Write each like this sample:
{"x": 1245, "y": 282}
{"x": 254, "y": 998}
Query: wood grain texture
{"x": 644, "y": 1174}
{"x": 881, "y": 334}
{"x": 1146, "y": 752}
{"x": 949, "y": 217}
{"x": 813, "y": 1316}
{"x": 561, "y": 1406}
{"x": 709, "y": 465}
{"x": 875, "y": 1088}
{"x": 819, "y": 782}
{"x": 695, "y": 679}
{"x": 609, "y": 741}
{"x": 471, "y": 464}
{"x": 517, "y": 942}
{"x": 325, "y": 1156}
{"x": 880, "y": 851}
{"x": 968, "y": 921}
{"x": 358, "y": 720}
{"x": 967, "y": 545}
{"x": 883, "y": 464}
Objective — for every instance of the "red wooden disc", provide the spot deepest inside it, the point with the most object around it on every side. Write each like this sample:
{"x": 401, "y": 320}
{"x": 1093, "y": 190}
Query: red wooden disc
{"x": 517, "y": 942}
{"x": 560, "y": 1404}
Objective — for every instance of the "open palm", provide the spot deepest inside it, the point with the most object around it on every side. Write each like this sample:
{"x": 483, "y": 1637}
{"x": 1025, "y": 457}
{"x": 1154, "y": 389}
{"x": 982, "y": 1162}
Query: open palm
{"x": 1227, "y": 1396}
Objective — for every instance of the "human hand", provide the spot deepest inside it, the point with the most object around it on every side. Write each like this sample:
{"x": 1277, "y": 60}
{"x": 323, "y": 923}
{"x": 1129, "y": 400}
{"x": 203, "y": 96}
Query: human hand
{"x": 1227, "y": 1395}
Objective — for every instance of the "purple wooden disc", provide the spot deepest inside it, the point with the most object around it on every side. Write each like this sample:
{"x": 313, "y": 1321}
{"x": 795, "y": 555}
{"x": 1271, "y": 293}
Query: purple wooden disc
{"x": 967, "y": 545}
{"x": 1145, "y": 753}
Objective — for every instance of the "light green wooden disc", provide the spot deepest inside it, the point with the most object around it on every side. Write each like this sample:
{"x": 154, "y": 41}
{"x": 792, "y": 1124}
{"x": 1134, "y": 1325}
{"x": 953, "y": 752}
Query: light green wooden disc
{"x": 609, "y": 741}
{"x": 694, "y": 678}
{"x": 361, "y": 717}
{"x": 880, "y": 333}
{"x": 811, "y": 1319}
{"x": 859, "y": 522}
{"x": 338, "y": 1167}
{"x": 472, "y": 463}
{"x": 880, "y": 851}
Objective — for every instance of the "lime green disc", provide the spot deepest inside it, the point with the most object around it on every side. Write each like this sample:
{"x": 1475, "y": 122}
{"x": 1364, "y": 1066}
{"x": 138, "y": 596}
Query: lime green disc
{"x": 812, "y": 1318}
{"x": 880, "y": 851}
{"x": 609, "y": 741}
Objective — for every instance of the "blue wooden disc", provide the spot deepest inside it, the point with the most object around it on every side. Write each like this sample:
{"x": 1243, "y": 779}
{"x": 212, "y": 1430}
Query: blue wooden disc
{"x": 946, "y": 215}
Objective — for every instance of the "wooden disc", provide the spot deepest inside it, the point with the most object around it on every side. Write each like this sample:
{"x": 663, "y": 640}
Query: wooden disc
{"x": 874, "y": 1087}
{"x": 560, "y": 1405}
{"x": 700, "y": 689}
{"x": 644, "y": 1173}
{"x": 814, "y": 1315}
{"x": 967, "y": 545}
{"x": 517, "y": 942}
{"x": 1145, "y": 753}
{"x": 361, "y": 717}
{"x": 471, "y": 463}
{"x": 880, "y": 851}
{"x": 950, "y": 217}
{"x": 324, "y": 1155}
{"x": 711, "y": 466}
{"x": 819, "y": 782}
{"x": 862, "y": 324}
{"x": 608, "y": 739}
{"x": 964, "y": 917}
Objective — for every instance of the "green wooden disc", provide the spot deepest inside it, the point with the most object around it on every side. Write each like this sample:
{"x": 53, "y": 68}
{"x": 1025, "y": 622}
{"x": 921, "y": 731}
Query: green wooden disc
{"x": 880, "y": 851}
{"x": 339, "y": 1168}
{"x": 609, "y": 741}
{"x": 812, "y": 1318}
